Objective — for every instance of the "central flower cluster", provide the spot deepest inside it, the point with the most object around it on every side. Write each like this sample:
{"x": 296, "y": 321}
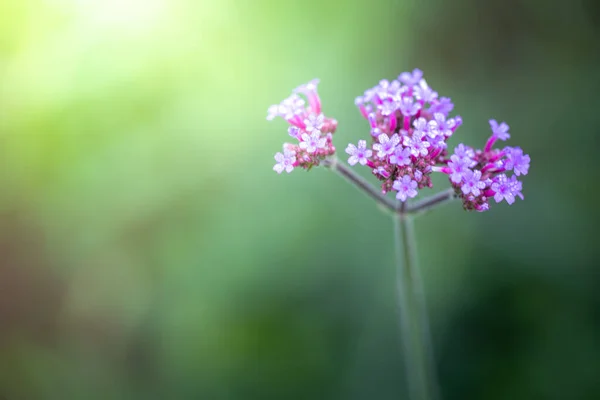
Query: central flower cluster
{"x": 410, "y": 128}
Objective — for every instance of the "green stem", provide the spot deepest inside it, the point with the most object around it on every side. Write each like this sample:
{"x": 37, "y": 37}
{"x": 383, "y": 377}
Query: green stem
{"x": 414, "y": 322}
{"x": 385, "y": 202}
{"x": 361, "y": 183}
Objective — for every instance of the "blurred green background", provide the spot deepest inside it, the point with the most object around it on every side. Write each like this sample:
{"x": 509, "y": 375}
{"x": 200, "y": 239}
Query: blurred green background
{"x": 148, "y": 250}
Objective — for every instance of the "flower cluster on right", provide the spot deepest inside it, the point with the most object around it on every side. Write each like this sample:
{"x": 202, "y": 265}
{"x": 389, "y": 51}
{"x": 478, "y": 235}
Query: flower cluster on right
{"x": 410, "y": 127}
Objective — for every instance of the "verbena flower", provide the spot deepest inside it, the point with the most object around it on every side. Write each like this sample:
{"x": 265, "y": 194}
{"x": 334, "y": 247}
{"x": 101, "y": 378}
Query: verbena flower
{"x": 409, "y": 127}
{"x": 406, "y": 187}
{"x": 285, "y": 161}
{"x": 386, "y": 145}
{"x": 308, "y": 125}
{"x": 358, "y": 154}
{"x": 410, "y": 110}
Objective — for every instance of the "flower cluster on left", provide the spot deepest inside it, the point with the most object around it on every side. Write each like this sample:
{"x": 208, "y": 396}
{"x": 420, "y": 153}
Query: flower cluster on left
{"x": 308, "y": 125}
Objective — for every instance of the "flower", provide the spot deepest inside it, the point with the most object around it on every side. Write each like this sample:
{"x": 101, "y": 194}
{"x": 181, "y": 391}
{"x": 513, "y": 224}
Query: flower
{"x": 386, "y": 145}
{"x": 424, "y": 93}
{"x": 389, "y": 106}
{"x": 408, "y": 107}
{"x": 463, "y": 151}
{"x": 458, "y": 166}
{"x": 285, "y": 161}
{"x": 516, "y": 161}
{"x": 441, "y": 125}
{"x": 314, "y": 122}
{"x": 506, "y": 189}
{"x": 401, "y": 156}
{"x": 443, "y": 106}
{"x": 472, "y": 182}
{"x": 312, "y": 142}
{"x": 417, "y": 145}
{"x": 294, "y": 132}
{"x": 411, "y": 79}
{"x": 358, "y": 154}
{"x": 406, "y": 187}
{"x": 499, "y": 131}
{"x": 409, "y": 129}
{"x": 308, "y": 125}
{"x": 421, "y": 125}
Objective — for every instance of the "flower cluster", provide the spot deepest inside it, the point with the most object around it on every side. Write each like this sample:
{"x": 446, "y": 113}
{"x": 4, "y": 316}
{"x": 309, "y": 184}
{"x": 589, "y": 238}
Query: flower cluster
{"x": 410, "y": 127}
{"x": 308, "y": 125}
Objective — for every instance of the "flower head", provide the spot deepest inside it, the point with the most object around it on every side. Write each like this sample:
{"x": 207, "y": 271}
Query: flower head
{"x": 358, "y": 154}
{"x": 499, "y": 131}
{"x": 314, "y": 122}
{"x": 458, "y": 167}
{"x": 411, "y": 78}
{"x": 386, "y": 145}
{"x": 424, "y": 93}
{"x": 443, "y": 106}
{"x": 408, "y": 107}
{"x": 401, "y": 156}
{"x": 312, "y": 142}
{"x": 517, "y": 161}
{"x": 472, "y": 183}
{"x": 409, "y": 131}
{"x": 308, "y": 125}
{"x": 418, "y": 146}
{"x": 285, "y": 161}
{"x": 406, "y": 187}
{"x": 506, "y": 189}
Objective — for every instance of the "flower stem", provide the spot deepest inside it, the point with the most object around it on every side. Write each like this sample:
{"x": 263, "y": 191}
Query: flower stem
{"x": 414, "y": 322}
{"x": 361, "y": 183}
{"x": 430, "y": 202}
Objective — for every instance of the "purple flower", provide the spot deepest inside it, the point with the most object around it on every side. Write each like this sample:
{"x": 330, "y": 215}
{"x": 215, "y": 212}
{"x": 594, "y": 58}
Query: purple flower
{"x": 313, "y": 141}
{"x": 438, "y": 141}
{"x": 417, "y": 145}
{"x": 506, "y": 189}
{"x": 458, "y": 166}
{"x": 441, "y": 125}
{"x": 411, "y": 79}
{"x": 516, "y": 160}
{"x": 307, "y": 87}
{"x": 408, "y": 107}
{"x": 388, "y": 107}
{"x": 443, "y": 106}
{"x": 401, "y": 156}
{"x": 285, "y": 161}
{"x": 463, "y": 151}
{"x": 292, "y": 106}
{"x": 314, "y": 122}
{"x": 358, "y": 154}
{"x": 406, "y": 187}
{"x": 420, "y": 125}
{"x": 499, "y": 131}
{"x": 424, "y": 93}
{"x": 418, "y": 175}
{"x": 472, "y": 182}
{"x": 294, "y": 132}
{"x": 386, "y": 145}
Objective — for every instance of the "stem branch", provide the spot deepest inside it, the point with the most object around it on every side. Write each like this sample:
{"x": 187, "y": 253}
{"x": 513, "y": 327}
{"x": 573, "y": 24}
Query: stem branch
{"x": 361, "y": 183}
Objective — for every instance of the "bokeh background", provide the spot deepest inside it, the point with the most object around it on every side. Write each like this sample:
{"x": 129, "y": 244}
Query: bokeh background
{"x": 148, "y": 250}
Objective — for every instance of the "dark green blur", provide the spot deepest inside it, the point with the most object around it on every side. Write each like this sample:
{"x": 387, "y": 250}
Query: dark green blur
{"x": 148, "y": 250}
